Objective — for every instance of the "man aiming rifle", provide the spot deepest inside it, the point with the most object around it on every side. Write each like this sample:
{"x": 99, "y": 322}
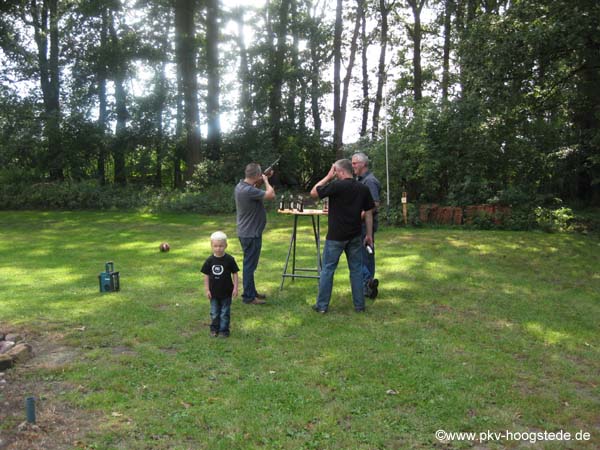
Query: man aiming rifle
{"x": 251, "y": 218}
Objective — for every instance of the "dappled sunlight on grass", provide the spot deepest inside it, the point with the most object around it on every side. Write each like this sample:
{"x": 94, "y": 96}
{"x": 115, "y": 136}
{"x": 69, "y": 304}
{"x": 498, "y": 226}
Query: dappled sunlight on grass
{"x": 471, "y": 330}
{"x": 545, "y": 334}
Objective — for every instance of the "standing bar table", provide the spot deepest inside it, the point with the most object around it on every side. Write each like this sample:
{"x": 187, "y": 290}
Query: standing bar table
{"x": 314, "y": 214}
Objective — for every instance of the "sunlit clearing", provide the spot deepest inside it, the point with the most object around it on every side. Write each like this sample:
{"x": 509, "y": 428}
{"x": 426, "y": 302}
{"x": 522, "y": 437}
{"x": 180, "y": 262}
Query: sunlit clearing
{"x": 548, "y": 336}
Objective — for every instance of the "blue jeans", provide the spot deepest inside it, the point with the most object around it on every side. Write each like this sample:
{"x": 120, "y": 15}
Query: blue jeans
{"x": 331, "y": 257}
{"x": 220, "y": 313}
{"x": 251, "y": 248}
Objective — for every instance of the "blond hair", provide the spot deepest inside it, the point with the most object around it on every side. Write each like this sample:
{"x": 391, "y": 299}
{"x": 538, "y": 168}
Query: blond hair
{"x": 218, "y": 236}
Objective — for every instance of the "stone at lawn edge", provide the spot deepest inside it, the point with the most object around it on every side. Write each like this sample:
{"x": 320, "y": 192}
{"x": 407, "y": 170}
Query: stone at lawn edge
{"x": 5, "y": 346}
{"x": 13, "y": 337}
{"x": 6, "y": 362}
{"x": 21, "y": 352}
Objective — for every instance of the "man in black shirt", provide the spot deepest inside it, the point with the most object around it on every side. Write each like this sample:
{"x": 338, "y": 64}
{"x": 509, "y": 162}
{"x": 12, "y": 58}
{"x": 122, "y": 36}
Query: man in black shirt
{"x": 347, "y": 200}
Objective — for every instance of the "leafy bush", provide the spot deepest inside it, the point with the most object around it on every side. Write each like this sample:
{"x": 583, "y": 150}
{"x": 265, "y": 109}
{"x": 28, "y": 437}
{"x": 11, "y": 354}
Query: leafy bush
{"x": 393, "y": 215}
{"x": 212, "y": 200}
{"x": 550, "y": 220}
{"x": 90, "y": 195}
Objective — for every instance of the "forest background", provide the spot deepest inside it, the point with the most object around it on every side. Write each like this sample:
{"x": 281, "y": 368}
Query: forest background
{"x": 118, "y": 103}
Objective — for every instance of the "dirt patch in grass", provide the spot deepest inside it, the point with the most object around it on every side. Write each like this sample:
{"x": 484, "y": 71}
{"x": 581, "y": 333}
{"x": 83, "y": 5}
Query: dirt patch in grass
{"x": 59, "y": 425}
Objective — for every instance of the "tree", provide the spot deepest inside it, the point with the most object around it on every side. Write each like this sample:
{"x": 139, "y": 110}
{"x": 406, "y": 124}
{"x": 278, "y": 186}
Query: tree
{"x": 337, "y": 67}
{"x": 118, "y": 66}
{"x": 384, "y": 11}
{"x": 213, "y": 138}
{"x": 44, "y": 18}
{"x": 447, "y": 20}
{"x": 320, "y": 54}
{"x": 278, "y": 53}
{"x": 185, "y": 42}
{"x": 360, "y": 12}
{"x": 416, "y": 34}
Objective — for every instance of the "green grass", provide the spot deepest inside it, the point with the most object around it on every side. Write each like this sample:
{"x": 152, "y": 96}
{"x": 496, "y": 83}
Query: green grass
{"x": 472, "y": 331}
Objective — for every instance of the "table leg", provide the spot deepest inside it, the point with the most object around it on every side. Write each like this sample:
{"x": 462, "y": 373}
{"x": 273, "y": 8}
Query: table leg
{"x": 287, "y": 259}
{"x": 317, "y": 233}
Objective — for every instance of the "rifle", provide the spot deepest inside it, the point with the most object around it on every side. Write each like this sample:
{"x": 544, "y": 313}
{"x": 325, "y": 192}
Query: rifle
{"x": 269, "y": 170}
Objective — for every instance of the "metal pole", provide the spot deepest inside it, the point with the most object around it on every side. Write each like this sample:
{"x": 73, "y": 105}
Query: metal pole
{"x": 387, "y": 159}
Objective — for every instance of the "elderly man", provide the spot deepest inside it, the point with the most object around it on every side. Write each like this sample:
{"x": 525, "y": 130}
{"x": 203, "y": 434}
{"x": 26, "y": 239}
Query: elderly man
{"x": 360, "y": 166}
{"x": 251, "y": 221}
{"x": 348, "y": 200}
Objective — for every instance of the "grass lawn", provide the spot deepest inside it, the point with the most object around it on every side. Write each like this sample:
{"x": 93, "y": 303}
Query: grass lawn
{"x": 473, "y": 331}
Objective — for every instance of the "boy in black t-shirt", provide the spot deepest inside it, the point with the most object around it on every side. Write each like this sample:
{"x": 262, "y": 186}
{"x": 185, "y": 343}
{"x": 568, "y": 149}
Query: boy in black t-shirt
{"x": 220, "y": 284}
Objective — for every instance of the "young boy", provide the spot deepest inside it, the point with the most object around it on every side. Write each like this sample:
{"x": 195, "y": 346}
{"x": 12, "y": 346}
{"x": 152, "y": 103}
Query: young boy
{"x": 220, "y": 284}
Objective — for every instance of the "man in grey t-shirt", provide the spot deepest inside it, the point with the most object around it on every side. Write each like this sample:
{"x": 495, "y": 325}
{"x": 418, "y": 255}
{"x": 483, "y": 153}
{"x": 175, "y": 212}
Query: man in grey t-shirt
{"x": 251, "y": 221}
{"x": 360, "y": 166}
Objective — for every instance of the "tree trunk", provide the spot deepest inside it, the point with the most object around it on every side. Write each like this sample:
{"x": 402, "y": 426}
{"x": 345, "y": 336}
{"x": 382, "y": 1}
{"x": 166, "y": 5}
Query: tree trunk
{"x": 181, "y": 140}
{"x": 213, "y": 139}
{"x": 351, "y": 59}
{"x": 417, "y": 35}
{"x": 449, "y": 6}
{"x": 365, "y": 74}
{"x": 381, "y": 75}
{"x": 186, "y": 66}
{"x": 293, "y": 78}
{"x": 102, "y": 103}
{"x": 586, "y": 117}
{"x": 245, "y": 109}
{"x": 277, "y": 74}
{"x": 315, "y": 75}
{"x": 45, "y": 24}
{"x": 118, "y": 70}
{"x": 337, "y": 65}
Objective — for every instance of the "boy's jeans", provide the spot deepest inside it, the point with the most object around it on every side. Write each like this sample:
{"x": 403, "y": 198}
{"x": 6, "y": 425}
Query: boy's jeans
{"x": 251, "y": 248}
{"x": 220, "y": 312}
{"x": 331, "y": 257}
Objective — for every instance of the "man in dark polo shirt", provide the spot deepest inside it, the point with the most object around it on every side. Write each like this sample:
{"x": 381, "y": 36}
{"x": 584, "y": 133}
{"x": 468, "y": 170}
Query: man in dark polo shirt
{"x": 347, "y": 200}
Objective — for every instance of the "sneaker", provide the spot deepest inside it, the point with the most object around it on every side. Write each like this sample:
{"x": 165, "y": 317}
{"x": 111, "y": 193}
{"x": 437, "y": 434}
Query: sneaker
{"x": 359, "y": 310}
{"x": 214, "y": 333}
{"x": 261, "y": 296}
{"x": 224, "y": 335}
{"x": 320, "y": 311}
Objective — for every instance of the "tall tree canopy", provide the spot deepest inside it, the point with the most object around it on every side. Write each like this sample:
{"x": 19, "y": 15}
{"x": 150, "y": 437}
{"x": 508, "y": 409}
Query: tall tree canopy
{"x": 481, "y": 100}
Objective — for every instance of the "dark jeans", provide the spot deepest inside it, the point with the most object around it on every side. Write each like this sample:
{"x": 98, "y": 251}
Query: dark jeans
{"x": 331, "y": 256}
{"x": 251, "y": 248}
{"x": 220, "y": 313}
{"x": 368, "y": 259}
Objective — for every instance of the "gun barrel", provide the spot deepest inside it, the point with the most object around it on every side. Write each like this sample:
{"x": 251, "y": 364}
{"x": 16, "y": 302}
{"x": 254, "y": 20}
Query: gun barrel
{"x": 271, "y": 166}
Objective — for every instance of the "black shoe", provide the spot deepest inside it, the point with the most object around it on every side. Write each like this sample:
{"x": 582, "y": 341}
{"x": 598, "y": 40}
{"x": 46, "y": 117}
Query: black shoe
{"x": 320, "y": 311}
{"x": 214, "y": 333}
{"x": 224, "y": 335}
{"x": 359, "y": 310}
{"x": 372, "y": 286}
{"x": 261, "y": 296}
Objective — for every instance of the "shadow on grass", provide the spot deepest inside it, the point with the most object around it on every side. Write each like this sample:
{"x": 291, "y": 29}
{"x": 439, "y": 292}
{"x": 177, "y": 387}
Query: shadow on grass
{"x": 472, "y": 330}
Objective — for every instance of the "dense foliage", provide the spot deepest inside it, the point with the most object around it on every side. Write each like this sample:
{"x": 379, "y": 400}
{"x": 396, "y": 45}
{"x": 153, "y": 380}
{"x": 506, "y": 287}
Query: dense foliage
{"x": 487, "y": 101}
